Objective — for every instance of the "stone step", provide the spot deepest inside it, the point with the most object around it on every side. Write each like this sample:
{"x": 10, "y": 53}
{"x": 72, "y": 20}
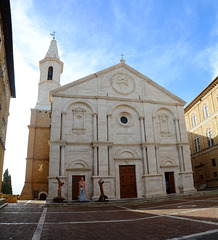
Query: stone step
{"x": 168, "y": 197}
{"x": 3, "y": 203}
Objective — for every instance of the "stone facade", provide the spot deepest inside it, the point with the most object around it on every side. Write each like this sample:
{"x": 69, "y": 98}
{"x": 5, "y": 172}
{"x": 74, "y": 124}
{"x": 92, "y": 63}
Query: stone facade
{"x": 202, "y": 124}
{"x": 115, "y": 124}
{"x": 7, "y": 85}
{"x": 120, "y": 126}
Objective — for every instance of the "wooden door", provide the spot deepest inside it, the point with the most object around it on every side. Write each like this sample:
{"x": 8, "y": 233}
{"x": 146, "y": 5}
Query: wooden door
{"x": 170, "y": 184}
{"x": 127, "y": 181}
{"x": 75, "y": 186}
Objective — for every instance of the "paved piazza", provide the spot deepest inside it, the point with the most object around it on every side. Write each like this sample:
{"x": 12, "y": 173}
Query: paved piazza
{"x": 187, "y": 218}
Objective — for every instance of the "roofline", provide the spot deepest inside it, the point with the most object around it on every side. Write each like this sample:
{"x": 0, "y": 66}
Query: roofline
{"x": 7, "y": 29}
{"x": 201, "y": 94}
{"x": 99, "y": 73}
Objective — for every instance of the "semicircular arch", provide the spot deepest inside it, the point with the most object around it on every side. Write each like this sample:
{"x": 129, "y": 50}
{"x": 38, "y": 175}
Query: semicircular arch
{"x": 126, "y": 153}
{"x": 119, "y": 105}
{"x": 78, "y": 164}
{"x": 162, "y": 110}
{"x": 84, "y": 102}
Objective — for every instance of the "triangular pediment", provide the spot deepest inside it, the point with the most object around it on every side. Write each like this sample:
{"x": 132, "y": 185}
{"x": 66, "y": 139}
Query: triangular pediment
{"x": 118, "y": 81}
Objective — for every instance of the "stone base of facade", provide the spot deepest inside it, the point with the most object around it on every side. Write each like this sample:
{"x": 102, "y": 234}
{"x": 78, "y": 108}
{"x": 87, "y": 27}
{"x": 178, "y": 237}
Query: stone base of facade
{"x": 154, "y": 185}
{"x": 53, "y": 188}
{"x": 186, "y": 182}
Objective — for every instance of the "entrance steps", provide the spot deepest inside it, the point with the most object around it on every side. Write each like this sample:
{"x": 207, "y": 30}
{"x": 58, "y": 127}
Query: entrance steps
{"x": 126, "y": 201}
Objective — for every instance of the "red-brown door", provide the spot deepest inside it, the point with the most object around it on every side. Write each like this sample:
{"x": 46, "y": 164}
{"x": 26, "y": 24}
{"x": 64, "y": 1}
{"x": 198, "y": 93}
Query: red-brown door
{"x": 127, "y": 181}
{"x": 170, "y": 185}
{"x": 75, "y": 186}
{"x": 171, "y": 181}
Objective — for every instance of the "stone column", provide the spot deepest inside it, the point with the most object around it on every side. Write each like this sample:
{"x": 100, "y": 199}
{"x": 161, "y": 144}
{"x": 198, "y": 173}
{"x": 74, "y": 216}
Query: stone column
{"x": 178, "y": 136}
{"x": 108, "y": 126}
{"x": 154, "y": 129}
{"x": 62, "y": 160}
{"x": 110, "y": 161}
{"x": 157, "y": 158}
{"x": 180, "y": 158}
{"x": 95, "y": 127}
{"x": 145, "y": 160}
{"x": 142, "y": 128}
{"x": 95, "y": 160}
{"x": 63, "y": 125}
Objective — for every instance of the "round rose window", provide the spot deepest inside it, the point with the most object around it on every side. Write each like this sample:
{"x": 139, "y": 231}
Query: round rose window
{"x": 124, "y": 120}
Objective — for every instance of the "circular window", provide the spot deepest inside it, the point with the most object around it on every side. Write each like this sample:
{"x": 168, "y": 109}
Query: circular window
{"x": 124, "y": 120}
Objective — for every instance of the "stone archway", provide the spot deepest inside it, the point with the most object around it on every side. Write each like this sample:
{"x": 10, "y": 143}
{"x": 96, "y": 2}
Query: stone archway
{"x": 42, "y": 196}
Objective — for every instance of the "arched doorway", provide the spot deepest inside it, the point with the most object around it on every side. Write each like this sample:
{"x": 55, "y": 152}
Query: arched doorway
{"x": 43, "y": 196}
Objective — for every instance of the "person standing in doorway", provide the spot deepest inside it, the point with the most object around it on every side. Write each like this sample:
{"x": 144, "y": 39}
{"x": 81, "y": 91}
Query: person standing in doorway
{"x": 81, "y": 193}
{"x": 82, "y": 187}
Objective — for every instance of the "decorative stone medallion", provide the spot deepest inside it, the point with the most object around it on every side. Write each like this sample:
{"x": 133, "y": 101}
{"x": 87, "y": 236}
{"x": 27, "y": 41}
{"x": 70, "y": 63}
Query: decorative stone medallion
{"x": 122, "y": 83}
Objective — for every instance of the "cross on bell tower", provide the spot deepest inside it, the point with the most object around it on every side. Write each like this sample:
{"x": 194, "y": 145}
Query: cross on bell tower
{"x": 53, "y": 34}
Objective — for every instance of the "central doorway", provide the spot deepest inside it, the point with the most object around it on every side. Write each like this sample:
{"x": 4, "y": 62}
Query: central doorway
{"x": 75, "y": 185}
{"x": 127, "y": 181}
{"x": 170, "y": 185}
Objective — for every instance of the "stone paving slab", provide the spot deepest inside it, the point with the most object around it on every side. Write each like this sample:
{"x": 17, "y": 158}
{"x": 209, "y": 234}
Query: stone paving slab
{"x": 187, "y": 218}
{"x": 101, "y": 215}
{"x": 156, "y": 228}
{"x": 81, "y": 208}
{"x": 21, "y": 232}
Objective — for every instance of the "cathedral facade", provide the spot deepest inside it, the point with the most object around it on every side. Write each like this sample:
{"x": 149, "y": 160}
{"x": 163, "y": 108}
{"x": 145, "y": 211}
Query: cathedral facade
{"x": 118, "y": 125}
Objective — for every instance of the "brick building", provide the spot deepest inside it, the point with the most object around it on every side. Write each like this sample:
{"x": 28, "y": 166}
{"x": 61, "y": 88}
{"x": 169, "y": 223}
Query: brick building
{"x": 7, "y": 83}
{"x": 202, "y": 124}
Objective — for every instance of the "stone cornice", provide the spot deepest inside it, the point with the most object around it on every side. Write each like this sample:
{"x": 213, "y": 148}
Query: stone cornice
{"x": 152, "y": 175}
{"x": 110, "y": 144}
{"x": 102, "y": 143}
{"x": 103, "y": 177}
{"x": 117, "y": 99}
{"x": 127, "y": 159}
{"x": 79, "y": 169}
{"x": 170, "y": 166}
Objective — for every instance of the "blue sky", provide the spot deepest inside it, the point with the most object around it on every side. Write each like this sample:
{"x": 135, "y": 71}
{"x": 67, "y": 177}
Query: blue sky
{"x": 173, "y": 42}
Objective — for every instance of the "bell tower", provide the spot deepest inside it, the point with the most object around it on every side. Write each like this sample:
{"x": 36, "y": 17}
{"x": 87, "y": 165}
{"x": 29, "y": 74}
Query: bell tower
{"x": 37, "y": 161}
{"x": 50, "y": 71}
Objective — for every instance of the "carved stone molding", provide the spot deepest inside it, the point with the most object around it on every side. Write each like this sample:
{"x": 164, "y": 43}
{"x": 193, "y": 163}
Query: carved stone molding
{"x": 122, "y": 83}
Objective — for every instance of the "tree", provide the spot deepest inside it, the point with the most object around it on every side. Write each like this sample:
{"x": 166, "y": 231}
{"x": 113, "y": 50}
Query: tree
{"x": 6, "y": 183}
